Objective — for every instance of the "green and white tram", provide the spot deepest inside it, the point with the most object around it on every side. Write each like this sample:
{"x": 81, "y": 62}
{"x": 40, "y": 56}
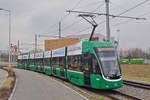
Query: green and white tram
{"x": 88, "y": 63}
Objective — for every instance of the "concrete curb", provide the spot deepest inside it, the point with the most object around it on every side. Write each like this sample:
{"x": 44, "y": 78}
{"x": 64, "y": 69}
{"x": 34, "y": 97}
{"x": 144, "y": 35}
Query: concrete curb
{"x": 14, "y": 89}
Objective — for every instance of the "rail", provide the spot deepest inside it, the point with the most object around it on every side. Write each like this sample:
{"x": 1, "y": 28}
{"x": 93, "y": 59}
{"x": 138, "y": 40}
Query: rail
{"x": 137, "y": 84}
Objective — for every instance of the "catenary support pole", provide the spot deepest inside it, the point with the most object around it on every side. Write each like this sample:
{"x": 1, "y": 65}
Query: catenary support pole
{"x": 35, "y": 43}
{"x": 107, "y": 21}
{"x": 9, "y": 51}
{"x": 59, "y": 34}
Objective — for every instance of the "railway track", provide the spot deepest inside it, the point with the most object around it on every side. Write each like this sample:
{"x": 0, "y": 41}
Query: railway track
{"x": 137, "y": 84}
{"x": 122, "y": 94}
{"x": 115, "y": 95}
{"x": 111, "y": 94}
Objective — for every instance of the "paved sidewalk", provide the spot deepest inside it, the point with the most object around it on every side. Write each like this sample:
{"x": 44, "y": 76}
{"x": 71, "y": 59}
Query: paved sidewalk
{"x": 3, "y": 76}
{"x": 33, "y": 86}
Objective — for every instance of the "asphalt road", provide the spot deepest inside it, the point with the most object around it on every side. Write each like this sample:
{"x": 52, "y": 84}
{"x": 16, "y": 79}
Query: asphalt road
{"x": 34, "y": 86}
{"x": 3, "y": 76}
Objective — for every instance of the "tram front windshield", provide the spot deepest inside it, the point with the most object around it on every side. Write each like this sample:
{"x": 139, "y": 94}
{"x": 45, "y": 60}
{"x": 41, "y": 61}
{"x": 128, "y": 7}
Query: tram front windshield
{"x": 109, "y": 62}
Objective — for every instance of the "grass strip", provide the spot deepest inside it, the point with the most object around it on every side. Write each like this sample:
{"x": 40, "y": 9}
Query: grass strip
{"x": 7, "y": 87}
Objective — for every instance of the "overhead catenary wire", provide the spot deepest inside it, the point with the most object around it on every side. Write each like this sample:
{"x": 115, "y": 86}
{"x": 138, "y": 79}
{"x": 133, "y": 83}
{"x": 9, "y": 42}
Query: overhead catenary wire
{"x": 128, "y": 10}
{"x": 90, "y": 4}
{"x": 111, "y": 15}
{"x": 141, "y": 3}
{"x": 132, "y": 8}
{"x": 81, "y": 19}
{"x": 77, "y": 4}
{"x": 105, "y": 15}
{"x": 129, "y": 20}
{"x": 64, "y": 17}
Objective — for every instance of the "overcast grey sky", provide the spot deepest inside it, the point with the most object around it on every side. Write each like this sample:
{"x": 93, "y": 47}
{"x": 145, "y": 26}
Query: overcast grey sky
{"x": 30, "y": 17}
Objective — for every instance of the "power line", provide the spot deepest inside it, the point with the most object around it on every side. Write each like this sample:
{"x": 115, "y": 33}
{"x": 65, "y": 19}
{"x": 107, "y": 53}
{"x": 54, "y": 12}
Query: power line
{"x": 125, "y": 12}
{"x": 83, "y": 30}
{"x": 93, "y": 3}
{"x": 87, "y": 28}
{"x": 104, "y": 20}
{"x": 82, "y": 19}
{"x": 105, "y": 14}
{"x": 129, "y": 20}
{"x": 120, "y": 6}
{"x": 77, "y": 20}
{"x": 129, "y": 9}
{"x": 77, "y": 4}
{"x": 134, "y": 7}
{"x": 65, "y": 16}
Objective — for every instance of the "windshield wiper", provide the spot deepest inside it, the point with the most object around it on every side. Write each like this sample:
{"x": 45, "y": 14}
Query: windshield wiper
{"x": 113, "y": 76}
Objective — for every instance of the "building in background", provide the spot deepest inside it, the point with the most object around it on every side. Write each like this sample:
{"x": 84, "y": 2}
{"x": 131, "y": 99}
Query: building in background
{"x": 54, "y": 44}
{"x": 71, "y": 39}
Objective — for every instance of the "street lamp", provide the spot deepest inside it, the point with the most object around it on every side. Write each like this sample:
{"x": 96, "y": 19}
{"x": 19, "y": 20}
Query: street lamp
{"x": 9, "y": 13}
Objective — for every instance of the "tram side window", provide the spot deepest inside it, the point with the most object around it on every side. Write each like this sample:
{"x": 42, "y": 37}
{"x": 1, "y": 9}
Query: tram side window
{"x": 74, "y": 62}
{"x": 36, "y": 62}
{"x": 55, "y": 62}
{"x": 28, "y": 62}
{"x": 47, "y": 62}
{"x": 86, "y": 62}
{"x": 19, "y": 61}
{"x": 39, "y": 62}
{"x": 31, "y": 61}
{"x": 61, "y": 61}
{"x": 24, "y": 62}
{"x": 95, "y": 66}
{"x": 90, "y": 64}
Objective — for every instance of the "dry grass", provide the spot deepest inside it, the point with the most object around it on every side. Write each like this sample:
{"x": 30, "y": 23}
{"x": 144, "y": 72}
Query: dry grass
{"x": 8, "y": 83}
{"x": 139, "y": 72}
{"x": 9, "y": 68}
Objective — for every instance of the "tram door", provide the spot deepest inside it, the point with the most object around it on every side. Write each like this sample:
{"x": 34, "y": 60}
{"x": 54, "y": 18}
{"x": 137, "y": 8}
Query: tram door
{"x": 86, "y": 59}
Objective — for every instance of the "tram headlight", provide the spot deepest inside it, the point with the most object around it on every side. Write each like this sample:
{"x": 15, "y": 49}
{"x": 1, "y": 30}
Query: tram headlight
{"x": 115, "y": 84}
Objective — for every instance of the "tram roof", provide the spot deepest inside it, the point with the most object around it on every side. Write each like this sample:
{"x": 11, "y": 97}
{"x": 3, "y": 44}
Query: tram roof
{"x": 87, "y": 44}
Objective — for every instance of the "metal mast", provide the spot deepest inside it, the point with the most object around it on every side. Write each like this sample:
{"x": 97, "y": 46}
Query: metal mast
{"x": 35, "y": 43}
{"x": 59, "y": 34}
{"x": 9, "y": 13}
{"x": 107, "y": 21}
